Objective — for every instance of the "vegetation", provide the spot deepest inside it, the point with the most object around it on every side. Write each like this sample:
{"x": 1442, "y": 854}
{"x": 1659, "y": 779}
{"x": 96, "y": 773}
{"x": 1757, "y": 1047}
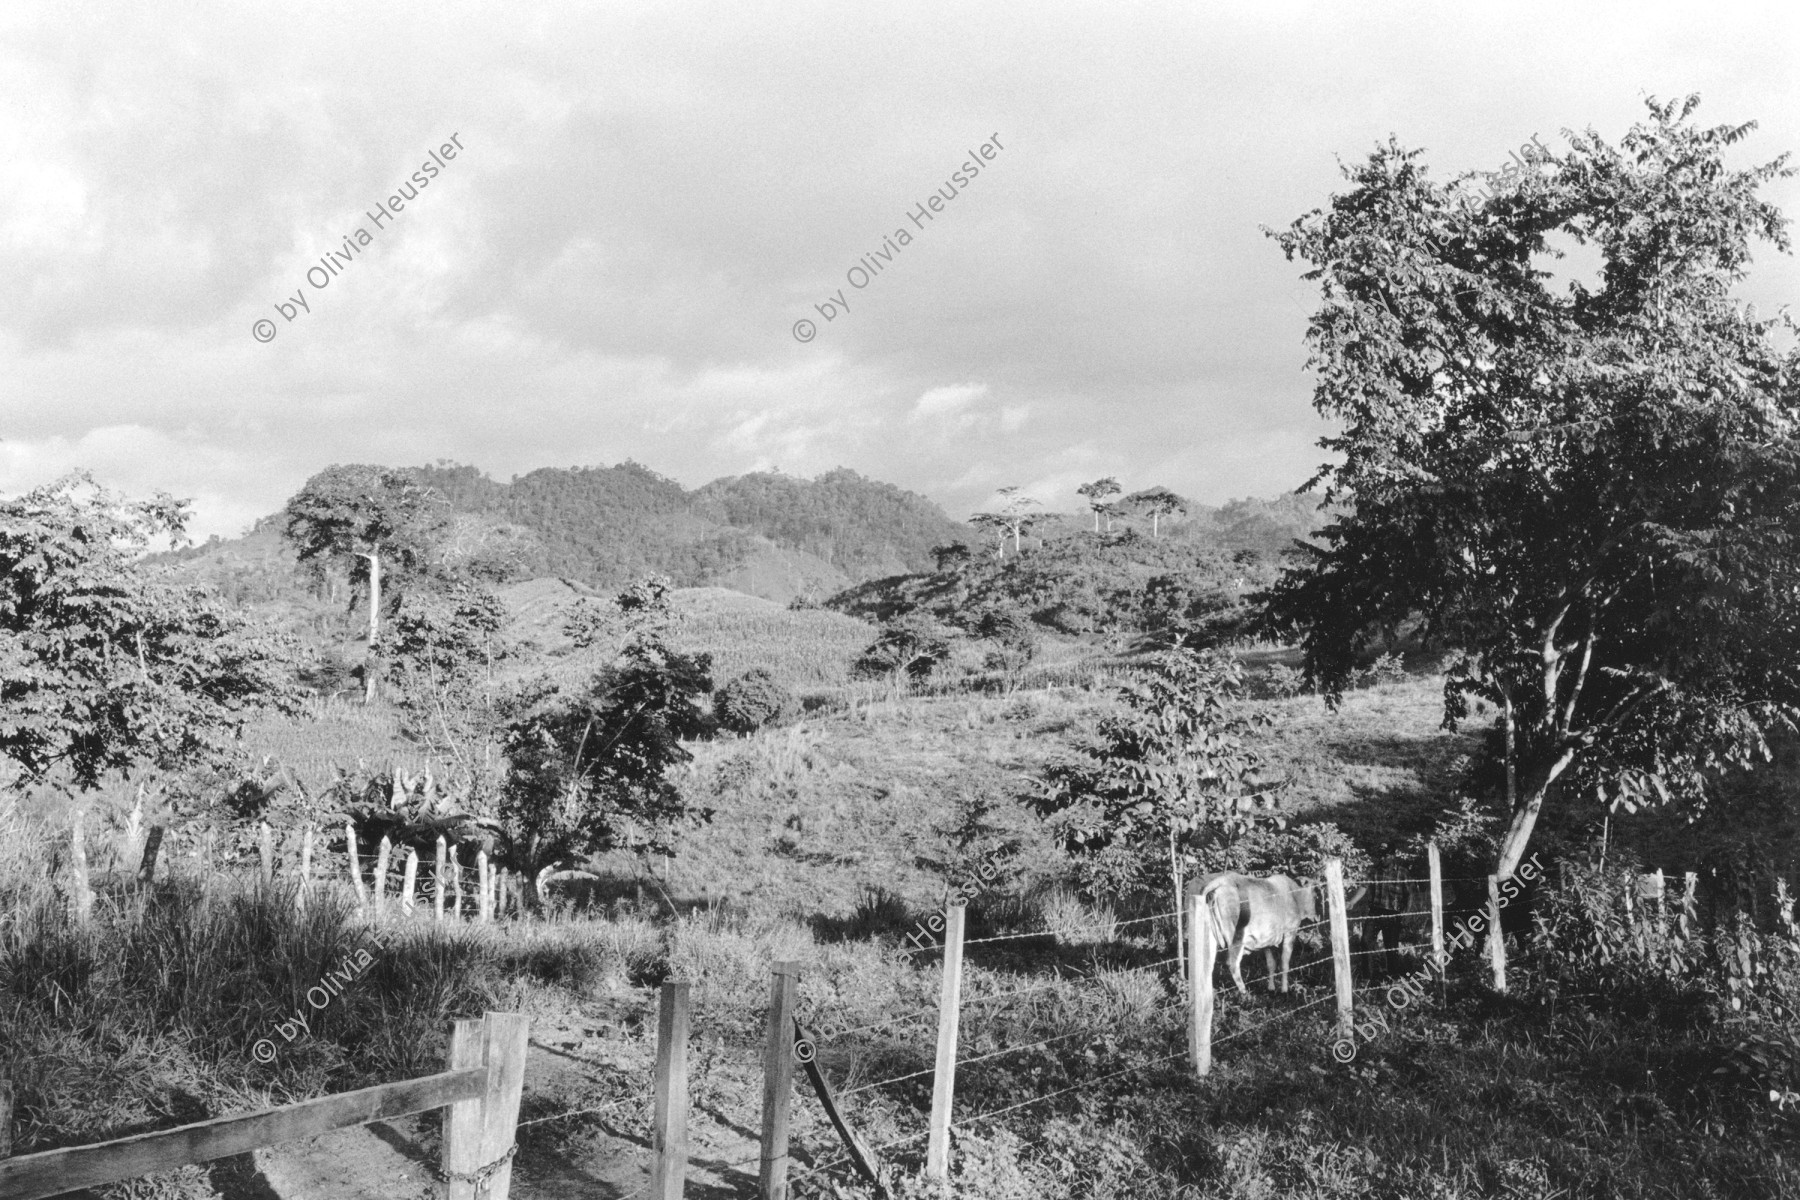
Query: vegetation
{"x": 588, "y": 768}
{"x": 750, "y": 701}
{"x": 104, "y": 668}
{"x": 1170, "y": 776}
{"x": 1588, "y": 493}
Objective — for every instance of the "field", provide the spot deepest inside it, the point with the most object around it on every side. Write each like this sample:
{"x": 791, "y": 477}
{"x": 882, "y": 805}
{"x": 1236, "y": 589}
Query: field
{"x": 832, "y": 839}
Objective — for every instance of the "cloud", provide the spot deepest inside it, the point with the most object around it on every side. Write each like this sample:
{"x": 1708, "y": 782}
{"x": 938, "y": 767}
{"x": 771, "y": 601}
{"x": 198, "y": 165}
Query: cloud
{"x": 941, "y": 401}
{"x": 650, "y": 196}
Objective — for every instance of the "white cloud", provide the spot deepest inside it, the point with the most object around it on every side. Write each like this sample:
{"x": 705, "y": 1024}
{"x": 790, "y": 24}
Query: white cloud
{"x": 941, "y": 401}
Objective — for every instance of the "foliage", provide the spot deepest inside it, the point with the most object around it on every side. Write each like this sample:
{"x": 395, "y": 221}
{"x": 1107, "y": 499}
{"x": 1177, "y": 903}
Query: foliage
{"x": 911, "y": 646}
{"x": 588, "y": 768}
{"x": 1590, "y": 491}
{"x": 444, "y": 648}
{"x": 1284, "y": 681}
{"x": 1386, "y": 669}
{"x": 606, "y": 526}
{"x": 1298, "y": 852}
{"x": 750, "y": 701}
{"x": 1099, "y": 496}
{"x": 481, "y": 548}
{"x": 344, "y": 514}
{"x": 1083, "y": 584}
{"x": 1156, "y": 503}
{"x": 104, "y": 667}
{"x": 1015, "y": 640}
{"x": 1172, "y": 773}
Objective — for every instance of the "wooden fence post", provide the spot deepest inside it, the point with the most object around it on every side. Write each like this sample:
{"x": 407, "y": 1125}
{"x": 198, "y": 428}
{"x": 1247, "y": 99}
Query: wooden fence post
{"x": 1340, "y": 945}
{"x": 1202, "y": 956}
{"x": 668, "y": 1136}
{"x": 265, "y": 850}
{"x": 152, "y": 846}
{"x": 437, "y": 883}
{"x": 484, "y": 884}
{"x": 1496, "y": 943}
{"x": 1437, "y": 905}
{"x": 456, "y": 895}
{"x": 355, "y": 864}
{"x": 306, "y": 845}
{"x": 80, "y": 893}
{"x": 381, "y": 867}
{"x": 778, "y": 1081}
{"x": 406, "y": 884}
{"x": 1181, "y": 939}
{"x": 478, "y": 1134}
{"x": 943, "y": 1077}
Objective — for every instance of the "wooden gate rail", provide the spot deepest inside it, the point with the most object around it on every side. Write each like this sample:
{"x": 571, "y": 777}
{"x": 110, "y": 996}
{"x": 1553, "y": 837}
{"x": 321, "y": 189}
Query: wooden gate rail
{"x": 501, "y": 1040}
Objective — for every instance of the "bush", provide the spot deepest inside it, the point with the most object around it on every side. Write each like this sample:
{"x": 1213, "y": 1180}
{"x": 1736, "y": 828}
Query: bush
{"x": 752, "y": 700}
{"x": 1283, "y": 681}
{"x": 912, "y": 645}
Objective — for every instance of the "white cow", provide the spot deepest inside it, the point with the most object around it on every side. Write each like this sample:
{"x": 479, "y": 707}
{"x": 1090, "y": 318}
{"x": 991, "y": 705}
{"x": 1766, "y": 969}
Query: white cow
{"x": 1248, "y": 913}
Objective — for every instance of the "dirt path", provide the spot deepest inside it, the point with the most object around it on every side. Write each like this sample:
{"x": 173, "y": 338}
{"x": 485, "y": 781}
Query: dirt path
{"x": 585, "y": 1156}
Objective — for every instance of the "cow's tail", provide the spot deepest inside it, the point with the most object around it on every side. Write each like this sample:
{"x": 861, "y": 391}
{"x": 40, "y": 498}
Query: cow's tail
{"x": 1222, "y": 934}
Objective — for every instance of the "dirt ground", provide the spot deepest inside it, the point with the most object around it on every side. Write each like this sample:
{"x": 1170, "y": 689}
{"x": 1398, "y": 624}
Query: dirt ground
{"x": 588, "y": 1155}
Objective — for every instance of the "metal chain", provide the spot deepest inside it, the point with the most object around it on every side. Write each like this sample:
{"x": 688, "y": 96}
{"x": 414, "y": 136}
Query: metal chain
{"x": 479, "y": 1177}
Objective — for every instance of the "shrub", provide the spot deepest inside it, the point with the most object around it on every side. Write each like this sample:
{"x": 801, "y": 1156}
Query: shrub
{"x": 750, "y": 701}
{"x": 1284, "y": 681}
{"x": 912, "y": 645}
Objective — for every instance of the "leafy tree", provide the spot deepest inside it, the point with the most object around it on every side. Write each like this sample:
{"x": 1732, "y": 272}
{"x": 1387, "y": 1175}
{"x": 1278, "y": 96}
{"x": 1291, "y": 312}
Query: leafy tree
{"x": 364, "y": 515}
{"x": 1593, "y": 491}
{"x": 1098, "y": 494}
{"x": 950, "y": 557}
{"x": 1016, "y": 512}
{"x": 751, "y": 701}
{"x": 105, "y": 667}
{"x": 589, "y": 769}
{"x": 481, "y": 548}
{"x": 1159, "y": 502}
{"x": 1172, "y": 773}
{"x": 911, "y": 646}
{"x": 444, "y": 647}
{"x": 997, "y": 524}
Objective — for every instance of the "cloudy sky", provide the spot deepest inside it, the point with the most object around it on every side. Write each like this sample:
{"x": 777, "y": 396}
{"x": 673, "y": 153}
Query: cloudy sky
{"x": 648, "y": 198}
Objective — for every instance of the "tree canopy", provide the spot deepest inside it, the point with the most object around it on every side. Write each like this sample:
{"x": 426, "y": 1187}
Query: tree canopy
{"x": 105, "y": 667}
{"x": 1590, "y": 489}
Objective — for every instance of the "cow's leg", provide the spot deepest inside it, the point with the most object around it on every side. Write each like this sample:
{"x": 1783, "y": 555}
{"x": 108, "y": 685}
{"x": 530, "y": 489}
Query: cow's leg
{"x": 1269, "y": 962}
{"x": 1237, "y": 965}
{"x": 1287, "y": 956}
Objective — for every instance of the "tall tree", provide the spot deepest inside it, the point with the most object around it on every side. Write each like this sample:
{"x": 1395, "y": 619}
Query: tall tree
{"x": 1173, "y": 770}
{"x": 105, "y": 667}
{"x": 997, "y": 524}
{"x": 365, "y": 515}
{"x": 1017, "y": 512}
{"x": 1098, "y": 493}
{"x": 1159, "y": 502}
{"x": 1592, "y": 489}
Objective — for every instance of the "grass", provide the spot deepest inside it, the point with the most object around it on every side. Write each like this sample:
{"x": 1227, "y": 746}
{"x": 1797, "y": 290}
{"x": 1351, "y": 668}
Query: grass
{"x": 829, "y": 845}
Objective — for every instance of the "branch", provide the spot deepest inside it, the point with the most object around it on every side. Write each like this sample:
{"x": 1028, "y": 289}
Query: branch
{"x": 1587, "y": 656}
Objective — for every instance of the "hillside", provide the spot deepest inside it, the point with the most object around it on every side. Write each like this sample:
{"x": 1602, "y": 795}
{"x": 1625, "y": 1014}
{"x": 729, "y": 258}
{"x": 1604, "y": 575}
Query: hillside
{"x": 769, "y": 534}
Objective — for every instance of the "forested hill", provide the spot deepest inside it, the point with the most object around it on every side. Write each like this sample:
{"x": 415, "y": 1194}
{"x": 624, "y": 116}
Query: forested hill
{"x": 609, "y": 525}
{"x": 861, "y": 527}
